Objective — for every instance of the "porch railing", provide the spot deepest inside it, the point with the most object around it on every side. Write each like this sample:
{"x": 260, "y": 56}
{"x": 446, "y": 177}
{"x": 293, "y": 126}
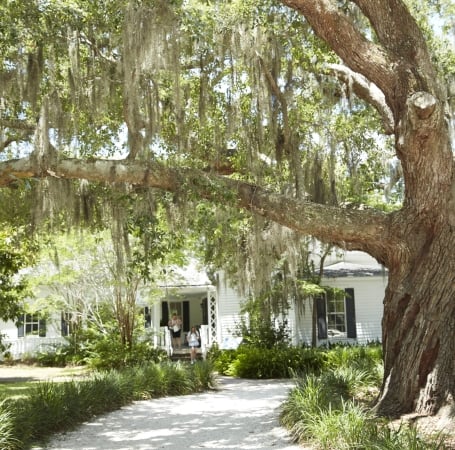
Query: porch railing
{"x": 165, "y": 340}
{"x": 31, "y": 346}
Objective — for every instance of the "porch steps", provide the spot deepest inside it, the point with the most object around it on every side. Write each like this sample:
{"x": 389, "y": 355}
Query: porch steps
{"x": 184, "y": 354}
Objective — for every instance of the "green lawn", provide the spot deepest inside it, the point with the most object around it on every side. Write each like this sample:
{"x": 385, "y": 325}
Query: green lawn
{"x": 17, "y": 384}
{"x": 15, "y": 389}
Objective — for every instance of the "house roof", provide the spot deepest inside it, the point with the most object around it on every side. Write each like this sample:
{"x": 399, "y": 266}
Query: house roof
{"x": 188, "y": 276}
{"x": 346, "y": 269}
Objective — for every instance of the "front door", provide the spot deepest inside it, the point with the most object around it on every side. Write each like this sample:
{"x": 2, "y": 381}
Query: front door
{"x": 182, "y": 309}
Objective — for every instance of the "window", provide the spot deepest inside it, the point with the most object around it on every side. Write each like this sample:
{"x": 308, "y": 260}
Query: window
{"x": 31, "y": 325}
{"x": 147, "y": 317}
{"x": 336, "y": 315}
{"x": 69, "y": 323}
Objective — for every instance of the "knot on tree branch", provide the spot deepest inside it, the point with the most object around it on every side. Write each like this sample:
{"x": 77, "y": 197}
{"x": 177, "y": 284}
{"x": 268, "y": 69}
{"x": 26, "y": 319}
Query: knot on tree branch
{"x": 424, "y": 104}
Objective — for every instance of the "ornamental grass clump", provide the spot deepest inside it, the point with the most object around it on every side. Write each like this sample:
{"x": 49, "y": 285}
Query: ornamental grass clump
{"x": 364, "y": 359}
{"x": 7, "y": 434}
{"x": 325, "y": 412}
{"x": 304, "y": 403}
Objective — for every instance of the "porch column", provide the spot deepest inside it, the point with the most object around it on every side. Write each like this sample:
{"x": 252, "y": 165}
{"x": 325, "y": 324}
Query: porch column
{"x": 156, "y": 315}
{"x": 212, "y": 306}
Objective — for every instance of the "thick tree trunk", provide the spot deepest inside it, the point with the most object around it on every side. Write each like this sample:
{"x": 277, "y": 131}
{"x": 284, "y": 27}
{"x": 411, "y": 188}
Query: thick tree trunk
{"x": 419, "y": 332}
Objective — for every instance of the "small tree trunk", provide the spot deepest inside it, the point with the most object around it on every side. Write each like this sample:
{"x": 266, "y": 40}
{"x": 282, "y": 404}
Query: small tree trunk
{"x": 125, "y": 305}
{"x": 419, "y": 333}
{"x": 314, "y": 327}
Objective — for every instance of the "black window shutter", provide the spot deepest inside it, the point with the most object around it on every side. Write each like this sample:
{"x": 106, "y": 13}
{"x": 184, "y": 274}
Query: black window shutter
{"x": 164, "y": 314}
{"x": 42, "y": 328}
{"x": 205, "y": 315}
{"x": 350, "y": 313}
{"x": 321, "y": 317}
{"x": 186, "y": 315}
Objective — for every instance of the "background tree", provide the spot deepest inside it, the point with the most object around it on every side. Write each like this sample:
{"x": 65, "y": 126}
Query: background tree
{"x": 16, "y": 252}
{"x": 98, "y": 284}
{"x": 303, "y": 113}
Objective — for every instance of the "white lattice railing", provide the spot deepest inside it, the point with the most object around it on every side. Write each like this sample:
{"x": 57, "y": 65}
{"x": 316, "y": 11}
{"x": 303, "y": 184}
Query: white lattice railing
{"x": 213, "y": 321}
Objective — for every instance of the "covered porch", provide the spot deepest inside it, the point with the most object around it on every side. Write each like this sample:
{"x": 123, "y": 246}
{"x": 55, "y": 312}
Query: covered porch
{"x": 190, "y": 295}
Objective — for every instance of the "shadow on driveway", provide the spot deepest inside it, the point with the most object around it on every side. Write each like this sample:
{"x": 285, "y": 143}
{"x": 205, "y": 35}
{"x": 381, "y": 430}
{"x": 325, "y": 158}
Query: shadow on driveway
{"x": 241, "y": 414}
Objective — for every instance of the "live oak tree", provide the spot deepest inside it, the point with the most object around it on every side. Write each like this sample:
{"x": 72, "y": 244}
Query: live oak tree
{"x": 295, "y": 111}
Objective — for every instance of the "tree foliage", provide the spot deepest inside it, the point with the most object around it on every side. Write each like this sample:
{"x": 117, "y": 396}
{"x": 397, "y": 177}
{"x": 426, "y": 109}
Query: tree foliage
{"x": 85, "y": 275}
{"x": 16, "y": 252}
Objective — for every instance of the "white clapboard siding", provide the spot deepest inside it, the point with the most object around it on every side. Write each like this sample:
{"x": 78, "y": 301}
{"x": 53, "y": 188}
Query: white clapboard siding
{"x": 229, "y": 305}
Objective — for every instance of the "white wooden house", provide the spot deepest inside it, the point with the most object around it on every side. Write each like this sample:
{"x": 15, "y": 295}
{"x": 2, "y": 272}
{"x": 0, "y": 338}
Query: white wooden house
{"x": 215, "y": 306}
{"x": 354, "y": 319}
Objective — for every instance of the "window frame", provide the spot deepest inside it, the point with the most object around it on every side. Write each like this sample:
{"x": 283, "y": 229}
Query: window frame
{"x": 32, "y": 325}
{"x": 68, "y": 323}
{"x": 349, "y": 317}
{"x": 335, "y": 313}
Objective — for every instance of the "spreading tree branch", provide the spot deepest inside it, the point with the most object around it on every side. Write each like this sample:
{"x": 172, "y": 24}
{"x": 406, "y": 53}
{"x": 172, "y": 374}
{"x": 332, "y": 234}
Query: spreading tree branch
{"x": 353, "y": 229}
{"x": 400, "y": 36}
{"x": 366, "y": 90}
{"x": 361, "y": 55}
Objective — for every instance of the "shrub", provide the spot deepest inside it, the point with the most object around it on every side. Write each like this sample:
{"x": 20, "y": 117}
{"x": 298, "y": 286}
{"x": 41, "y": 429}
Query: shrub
{"x": 221, "y": 359}
{"x": 107, "y": 352}
{"x": 56, "y": 356}
{"x": 264, "y": 333}
{"x": 100, "y": 351}
{"x": 262, "y": 329}
{"x": 276, "y": 362}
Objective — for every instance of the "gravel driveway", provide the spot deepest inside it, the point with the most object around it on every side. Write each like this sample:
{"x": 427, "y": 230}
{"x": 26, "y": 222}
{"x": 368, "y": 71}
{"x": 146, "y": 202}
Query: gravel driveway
{"x": 241, "y": 414}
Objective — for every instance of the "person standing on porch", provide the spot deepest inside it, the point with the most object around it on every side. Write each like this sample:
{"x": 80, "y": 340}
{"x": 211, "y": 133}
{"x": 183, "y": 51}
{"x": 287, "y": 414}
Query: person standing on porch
{"x": 193, "y": 341}
{"x": 175, "y": 327}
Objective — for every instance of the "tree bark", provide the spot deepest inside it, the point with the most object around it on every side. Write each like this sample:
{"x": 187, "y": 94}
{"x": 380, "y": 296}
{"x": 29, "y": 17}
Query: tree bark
{"x": 419, "y": 306}
{"x": 419, "y": 332}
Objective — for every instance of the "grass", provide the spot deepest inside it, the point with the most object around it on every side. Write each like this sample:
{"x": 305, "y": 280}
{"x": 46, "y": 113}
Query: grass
{"x": 27, "y": 380}
{"x": 15, "y": 389}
